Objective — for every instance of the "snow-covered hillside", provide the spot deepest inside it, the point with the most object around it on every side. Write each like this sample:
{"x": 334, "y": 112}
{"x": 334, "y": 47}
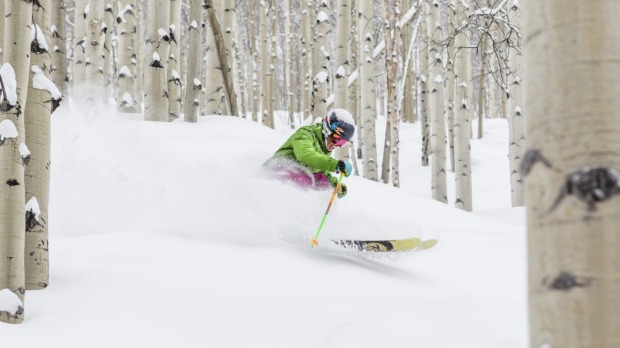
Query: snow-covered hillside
{"x": 161, "y": 235}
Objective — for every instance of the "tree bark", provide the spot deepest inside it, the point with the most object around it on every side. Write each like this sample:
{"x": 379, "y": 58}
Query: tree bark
{"x": 571, "y": 166}
{"x": 438, "y": 126}
{"x": 79, "y": 51}
{"x": 462, "y": 148}
{"x": 95, "y": 40}
{"x": 60, "y": 74}
{"x": 321, "y": 70}
{"x": 12, "y": 183}
{"x": 516, "y": 117}
{"x": 37, "y": 172}
{"x": 127, "y": 75}
{"x": 192, "y": 101}
{"x": 341, "y": 85}
{"x": 174, "y": 58}
{"x": 424, "y": 90}
{"x": 156, "y": 97}
{"x": 368, "y": 99}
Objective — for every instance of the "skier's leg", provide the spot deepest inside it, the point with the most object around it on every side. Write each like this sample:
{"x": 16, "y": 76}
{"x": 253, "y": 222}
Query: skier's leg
{"x": 321, "y": 183}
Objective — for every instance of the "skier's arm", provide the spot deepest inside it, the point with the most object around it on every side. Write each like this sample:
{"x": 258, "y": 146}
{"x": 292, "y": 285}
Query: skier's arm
{"x": 306, "y": 153}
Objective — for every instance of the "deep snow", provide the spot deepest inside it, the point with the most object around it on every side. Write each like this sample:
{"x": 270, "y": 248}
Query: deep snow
{"x": 161, "y": 235}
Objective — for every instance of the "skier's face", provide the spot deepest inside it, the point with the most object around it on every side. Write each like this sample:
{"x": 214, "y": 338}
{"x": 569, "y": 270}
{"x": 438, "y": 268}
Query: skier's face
{"x": 335, "y": 141}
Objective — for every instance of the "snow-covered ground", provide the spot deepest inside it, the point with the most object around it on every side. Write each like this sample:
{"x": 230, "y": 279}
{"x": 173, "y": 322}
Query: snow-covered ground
{"x": 161, "y": 235}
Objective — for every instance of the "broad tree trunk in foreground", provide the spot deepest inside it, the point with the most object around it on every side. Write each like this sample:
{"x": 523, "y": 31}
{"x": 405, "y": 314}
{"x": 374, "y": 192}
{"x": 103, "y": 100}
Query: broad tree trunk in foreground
{"x": 572, "y": 168}
{"x": 12, "y": 187}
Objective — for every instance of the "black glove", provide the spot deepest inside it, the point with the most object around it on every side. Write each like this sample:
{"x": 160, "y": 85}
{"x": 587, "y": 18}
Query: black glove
{"x": 344, "y": 167}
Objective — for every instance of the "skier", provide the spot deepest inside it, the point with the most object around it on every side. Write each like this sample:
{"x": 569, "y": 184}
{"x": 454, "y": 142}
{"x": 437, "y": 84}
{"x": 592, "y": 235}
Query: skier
{"x": 305, "y": 158}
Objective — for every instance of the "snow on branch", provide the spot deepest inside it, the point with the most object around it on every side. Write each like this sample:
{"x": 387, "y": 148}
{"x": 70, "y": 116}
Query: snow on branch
{"x": 37, "y": 40}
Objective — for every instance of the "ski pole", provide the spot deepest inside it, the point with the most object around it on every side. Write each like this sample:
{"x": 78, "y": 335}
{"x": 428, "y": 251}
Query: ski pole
{"x": 315, "y": 241}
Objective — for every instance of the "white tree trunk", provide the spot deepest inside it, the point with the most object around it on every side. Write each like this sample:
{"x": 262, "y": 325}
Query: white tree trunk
{"x": 321, "y": 73}
{"x": 572, "y": 170}
{"x": 60, "y": 74}
{"x": 214, "y": 85}
{"x": 192, "y": 91}
{"x": 127, "y": 76}
{"x": 267, "y": 116}
{"x": 79, "y": 48}
{"x": 516, "y": 117}
{"x": 306, "y": 59}
{"x": 95, "y": 39}
{"x": 341, "y": 84}
{"x": 450, "y": 83}
{"x": 368, "y": 99}
{"x": 18, "y": 20}
{"x": 108, "y": 50}
{"x": 37, "y": 174}
{"x": 174, "y": 58}
{"x": 393, "y": 43}
{"x": 424, "y": 90}
{"x": 438, "y": 124}
{"x": 156, "y": 98}
{"x": 1, "y": 27}
{"x": 462, "y": 107}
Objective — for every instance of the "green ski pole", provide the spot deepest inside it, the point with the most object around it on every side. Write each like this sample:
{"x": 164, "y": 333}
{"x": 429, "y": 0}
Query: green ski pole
{"x": 315, "y": 241}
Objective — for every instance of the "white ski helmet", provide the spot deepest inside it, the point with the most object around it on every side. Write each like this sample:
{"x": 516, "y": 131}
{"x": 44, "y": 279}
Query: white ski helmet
{"x": 339, "y": 122}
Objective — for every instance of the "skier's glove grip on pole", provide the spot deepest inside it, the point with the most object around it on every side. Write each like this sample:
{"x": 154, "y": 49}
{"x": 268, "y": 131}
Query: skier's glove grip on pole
{"x": 344, "y": 167}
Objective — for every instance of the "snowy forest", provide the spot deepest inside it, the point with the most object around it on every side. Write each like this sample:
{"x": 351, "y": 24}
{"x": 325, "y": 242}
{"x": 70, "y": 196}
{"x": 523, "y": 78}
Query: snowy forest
{"x": 456, "y": 72}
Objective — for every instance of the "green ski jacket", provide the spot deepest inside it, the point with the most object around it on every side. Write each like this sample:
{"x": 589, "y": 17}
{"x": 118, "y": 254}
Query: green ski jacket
{"x": 307, "y": 146}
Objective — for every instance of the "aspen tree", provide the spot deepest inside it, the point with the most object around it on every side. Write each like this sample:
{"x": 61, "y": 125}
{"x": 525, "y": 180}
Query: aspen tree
{"x": 267, "y": 117}
{"x": 321, "y": 71}
{"x": 174, "y": 58}
{"x": 95, "y": 39}
{"x": 194, "y": 55}
{"x": 43, "y": 98}
{"x": 59, "y": 74}
{"x": 450, "y": 82}
{"x": 368, "y": 100}
{"x": 393, "y": 67}
{"x": 156, "y": 98}
{"x": 438, "y": 126}
{"x": 462, "y": 114}
{"x": 341, "y": 83}
{"x": 214, "y": 85}
{"x": 79, "y": 47}
{"x": 516, "y": 117}
{"x": 306, "y": 59}
{"x": 1, "y": 27}
{"x": 424, "y": 89}
{"x": 571, "y": 166}
{"x": 13, "y": 153}
{"x": 108, "y": 50}
{"x": 127, "y": 75}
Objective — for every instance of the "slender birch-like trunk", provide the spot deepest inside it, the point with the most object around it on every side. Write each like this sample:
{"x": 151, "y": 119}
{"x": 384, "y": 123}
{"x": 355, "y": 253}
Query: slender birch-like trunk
{"x": 228, "y": 23}
{"x": 156, "y": 98}
{"x": 306, "y": 59}
{"x": 173, "y": 71}
{"x": 393, "y": 43}
{"x": 79, "y": 47}
{"x": 194, "y": 60}
{"x": 37, "y": 175}
{"x": 368, "y": 99}
{"x": 13, "y": 151}
{"x": 95, "y": 40}
{"x": 450, "y": 83}
{"x": 341, "y": 85}
{"x": 223, "y": 54}
{"x": 482, "y": 91}
{"x": 214, "y": 86}
{"x": 1, "y": 27}
{"x": 572, "y": 169}
{"x": 127, "y": 75}
{"x": 59, "y": 74}
{"x": 462, "y": 148}
{"x": 516, "y": 118}
{"x": 267, "y": 117}
{"x": 438, "y": 126}
{"x": 424, "y": 89}
{"x": 321, "y": 72}
{"x": 108, "y": 50}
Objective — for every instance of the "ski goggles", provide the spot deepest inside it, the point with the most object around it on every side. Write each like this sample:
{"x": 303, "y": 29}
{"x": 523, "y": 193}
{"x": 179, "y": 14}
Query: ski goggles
{"x": 339, "y": 141}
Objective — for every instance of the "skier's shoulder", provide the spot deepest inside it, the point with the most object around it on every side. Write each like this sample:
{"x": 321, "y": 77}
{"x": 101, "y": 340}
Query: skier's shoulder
{"x": 309, "y": 131}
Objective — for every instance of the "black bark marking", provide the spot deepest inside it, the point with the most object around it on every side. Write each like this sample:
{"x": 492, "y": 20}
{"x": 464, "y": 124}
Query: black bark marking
{"x": 12, "y": 182}
{"x": 31, "y": 221}
{"x": 590, "y": 185}
{"x": 566, "y": 281}
{"x": 530, "y": 158}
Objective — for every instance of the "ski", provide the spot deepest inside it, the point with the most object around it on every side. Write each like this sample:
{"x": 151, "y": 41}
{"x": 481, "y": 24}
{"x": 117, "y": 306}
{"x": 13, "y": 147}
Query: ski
{"x": 409, "y": 244}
